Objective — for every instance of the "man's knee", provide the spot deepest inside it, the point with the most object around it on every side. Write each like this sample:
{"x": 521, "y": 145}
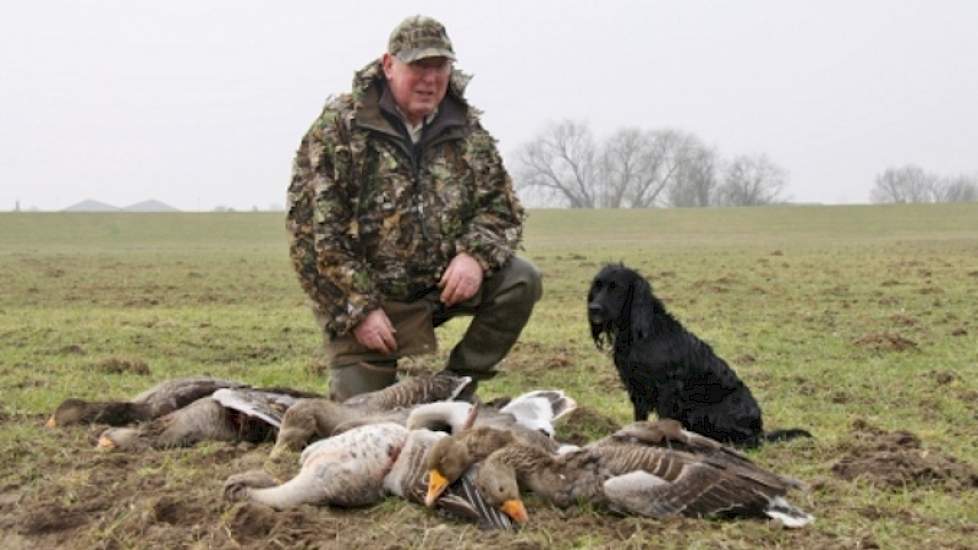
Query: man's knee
{"x": 522, "y": 280}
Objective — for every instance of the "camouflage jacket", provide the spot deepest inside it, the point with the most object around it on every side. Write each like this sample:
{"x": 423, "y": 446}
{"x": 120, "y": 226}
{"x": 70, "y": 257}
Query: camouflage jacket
{"x": 373, "y": 217}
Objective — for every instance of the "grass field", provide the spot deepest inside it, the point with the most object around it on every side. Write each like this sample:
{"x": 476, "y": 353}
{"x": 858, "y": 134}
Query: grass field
{"x": 858, "y": 323}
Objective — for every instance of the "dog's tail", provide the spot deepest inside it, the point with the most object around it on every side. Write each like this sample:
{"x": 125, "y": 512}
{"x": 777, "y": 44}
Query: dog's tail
{"x": 785, "y": 435}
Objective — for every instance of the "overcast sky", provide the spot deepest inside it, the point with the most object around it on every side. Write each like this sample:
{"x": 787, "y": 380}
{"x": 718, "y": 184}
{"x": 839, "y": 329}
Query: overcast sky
{"x": 200, "y": 103}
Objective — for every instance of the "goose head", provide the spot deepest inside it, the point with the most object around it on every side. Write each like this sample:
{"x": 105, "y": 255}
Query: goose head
{"x": 497, "y": 483}
{"x": 119, "y": 439}
{"x": 306, "y": 420}
{"x": 451, "y": 456}
{"x": 78, "y": 411}
{"x": 447, "y": 461}
{"x": 71, "y": 411}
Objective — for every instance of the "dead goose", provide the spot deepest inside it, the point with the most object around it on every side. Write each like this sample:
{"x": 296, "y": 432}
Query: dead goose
{"x": 311, "y": 419}
{"x": 634, "y": 478}
{"x": 358, "y": 468}
{"x": 239, "y": 414}
{"x": 528, "y": 418}
{"x": 161, "y": 399}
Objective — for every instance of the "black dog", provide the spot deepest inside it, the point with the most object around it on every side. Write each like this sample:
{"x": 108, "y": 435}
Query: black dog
{"x": 668, "y": 369}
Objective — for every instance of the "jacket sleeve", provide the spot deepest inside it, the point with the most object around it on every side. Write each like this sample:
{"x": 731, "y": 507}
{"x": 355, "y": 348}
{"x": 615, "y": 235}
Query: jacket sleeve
{"x": 494, "y": 232}
{"x": 321, "y": 219}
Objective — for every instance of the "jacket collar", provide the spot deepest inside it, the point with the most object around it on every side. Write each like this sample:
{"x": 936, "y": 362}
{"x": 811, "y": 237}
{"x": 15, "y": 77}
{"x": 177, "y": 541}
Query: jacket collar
{"x": 375, "y": 109}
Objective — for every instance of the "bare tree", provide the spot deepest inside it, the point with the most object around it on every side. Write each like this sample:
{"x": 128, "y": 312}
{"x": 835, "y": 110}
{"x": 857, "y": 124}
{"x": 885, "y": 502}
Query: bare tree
{"x": 751, "y": 181}
{"x": 665, "y": 154}
{"x": 637, "y": 168}
{"x": 624, "y": 160}
{"x": 696, "y": 181}
{"x": 957, "y": 189}
{"x": 562, "y": 162}
{"x": 906, "y": 184}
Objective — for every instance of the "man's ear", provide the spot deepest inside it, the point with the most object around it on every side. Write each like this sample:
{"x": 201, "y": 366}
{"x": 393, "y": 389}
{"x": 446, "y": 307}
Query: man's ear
{"x": 387, "y": 62}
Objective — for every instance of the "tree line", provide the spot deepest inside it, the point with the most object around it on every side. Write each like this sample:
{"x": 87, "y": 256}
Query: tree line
{"x": 913, "y": 184}
{"x": 566, "y": 165}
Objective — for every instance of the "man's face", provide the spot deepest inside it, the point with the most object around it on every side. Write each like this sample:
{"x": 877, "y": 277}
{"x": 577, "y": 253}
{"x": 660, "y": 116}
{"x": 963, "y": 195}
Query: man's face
{"x": 418, "y": 87}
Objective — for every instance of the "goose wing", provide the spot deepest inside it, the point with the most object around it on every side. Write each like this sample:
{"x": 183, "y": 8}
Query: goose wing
{"x": 176, "y": 393}
{"x": 264, "y": 405}
{"x": 537, "y": 410}
{"x": 463, "y": 500}
{"x": 662, "y": 482}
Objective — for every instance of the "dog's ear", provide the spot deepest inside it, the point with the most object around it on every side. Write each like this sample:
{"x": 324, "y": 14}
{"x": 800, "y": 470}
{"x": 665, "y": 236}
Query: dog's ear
{"x": 642, "y": 308}
{"x": 597, "y": 329}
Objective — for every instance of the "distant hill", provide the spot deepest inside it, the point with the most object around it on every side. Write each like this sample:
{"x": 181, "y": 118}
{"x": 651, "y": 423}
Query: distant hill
{"x": 91, "y": 206}
{"x": 97, "y": 206}
{"x": 150, "y": 206}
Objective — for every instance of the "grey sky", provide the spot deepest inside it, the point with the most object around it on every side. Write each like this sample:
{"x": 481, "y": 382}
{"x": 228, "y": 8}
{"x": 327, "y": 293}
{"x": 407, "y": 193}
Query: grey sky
{"x": 203, "y": 103}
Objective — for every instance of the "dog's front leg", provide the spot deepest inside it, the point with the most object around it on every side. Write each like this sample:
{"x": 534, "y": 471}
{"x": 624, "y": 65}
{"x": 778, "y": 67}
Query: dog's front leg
{"x": 641, "y": 406}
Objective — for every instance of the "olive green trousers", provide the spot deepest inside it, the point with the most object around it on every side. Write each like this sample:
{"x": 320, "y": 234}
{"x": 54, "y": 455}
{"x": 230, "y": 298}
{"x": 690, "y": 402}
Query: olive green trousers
{"x": 499, "y": 312}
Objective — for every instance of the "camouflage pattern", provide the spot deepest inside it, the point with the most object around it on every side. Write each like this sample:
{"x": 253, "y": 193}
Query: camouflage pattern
{"x": 368, "y": 224}
{"x": 418, "y": 37}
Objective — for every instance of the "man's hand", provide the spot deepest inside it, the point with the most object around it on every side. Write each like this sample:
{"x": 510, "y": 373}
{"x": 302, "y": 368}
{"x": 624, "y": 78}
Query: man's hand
{"x": 376, "y": 332}
{"x": 461, "y": 280}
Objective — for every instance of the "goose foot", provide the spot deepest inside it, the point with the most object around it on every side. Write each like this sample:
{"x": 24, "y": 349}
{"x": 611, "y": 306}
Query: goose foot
{"x": 236, "y": 487}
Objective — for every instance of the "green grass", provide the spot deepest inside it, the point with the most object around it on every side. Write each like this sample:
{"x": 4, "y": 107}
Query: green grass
{"x": 805, "y": 302}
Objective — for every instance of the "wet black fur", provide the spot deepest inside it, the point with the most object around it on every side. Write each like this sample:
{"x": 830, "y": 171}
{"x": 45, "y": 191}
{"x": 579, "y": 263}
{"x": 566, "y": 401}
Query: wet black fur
{"x": 666, "y": 368}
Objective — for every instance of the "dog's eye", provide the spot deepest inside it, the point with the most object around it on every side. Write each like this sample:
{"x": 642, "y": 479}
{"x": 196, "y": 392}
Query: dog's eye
{"x": 597, "y": 285}
{"x": 611, "y": 285}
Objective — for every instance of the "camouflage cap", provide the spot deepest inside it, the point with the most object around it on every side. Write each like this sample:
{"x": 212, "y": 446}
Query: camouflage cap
{"x": 418, "y": 37}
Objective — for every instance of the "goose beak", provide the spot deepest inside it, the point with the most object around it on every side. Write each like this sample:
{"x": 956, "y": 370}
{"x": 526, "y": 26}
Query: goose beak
{"x": 514, "y": 508}
{"x": 105, "y": 443}
{"x": 436, "y": 486}
{"x": 51, "y": 423}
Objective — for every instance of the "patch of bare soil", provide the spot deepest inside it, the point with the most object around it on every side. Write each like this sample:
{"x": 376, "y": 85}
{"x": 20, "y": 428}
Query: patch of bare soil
{"x": 719, "y": 285}
{"x": 942, "y": 377}
{"x": 959, "y": 332}
{"x": 885, "y": 341}
{"x": 73, "y": 349}
{"x": 930, "y": 290}
{"x": 254, "y": 524}
{"x": 560, "y": 360}
{"x": 141, "y": 302}
{"x": 903, "y": 320}
{"x": 894, "y": 460}
{"x": 122, "y": 365}
{"x": 585, "y": 424}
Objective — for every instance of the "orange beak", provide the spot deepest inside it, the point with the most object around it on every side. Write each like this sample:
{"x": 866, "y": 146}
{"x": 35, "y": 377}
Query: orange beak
{"x": 436, "y": 486}
{"x": 105, "y": 443}
{"x": 514, "y": 508}
{"x": 51, "y": 423}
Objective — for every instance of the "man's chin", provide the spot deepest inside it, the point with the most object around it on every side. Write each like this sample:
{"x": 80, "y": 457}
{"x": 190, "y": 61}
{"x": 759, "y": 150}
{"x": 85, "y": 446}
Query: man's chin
{"x": 423, "y": 108}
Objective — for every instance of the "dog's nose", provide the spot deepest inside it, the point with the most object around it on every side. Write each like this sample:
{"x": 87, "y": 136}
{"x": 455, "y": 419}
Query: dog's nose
{"x": 595, "y": 312}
